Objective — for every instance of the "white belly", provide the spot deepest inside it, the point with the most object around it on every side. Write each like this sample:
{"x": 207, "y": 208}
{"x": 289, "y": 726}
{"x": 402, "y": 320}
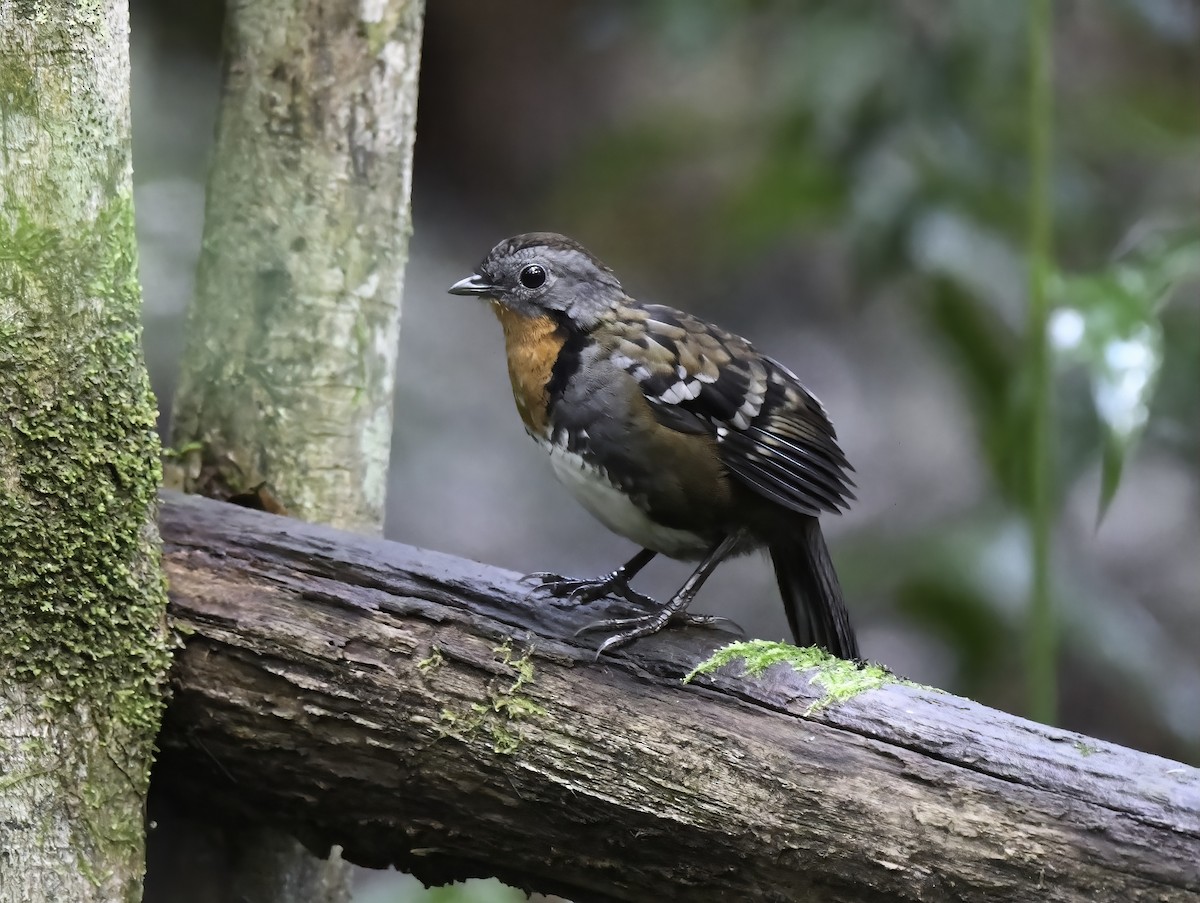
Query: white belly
{"x": 613, "y": 508}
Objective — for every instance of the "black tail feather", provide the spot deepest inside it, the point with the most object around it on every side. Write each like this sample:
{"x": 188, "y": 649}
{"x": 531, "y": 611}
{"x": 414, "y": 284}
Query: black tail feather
{"x": 812, "y": 596}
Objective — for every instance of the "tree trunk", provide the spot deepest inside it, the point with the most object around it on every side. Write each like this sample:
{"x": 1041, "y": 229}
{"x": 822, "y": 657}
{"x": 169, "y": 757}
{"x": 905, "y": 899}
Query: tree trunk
{"x": 430, "y": 712}
{"x": 285, "y": 398}
{"x": 83, "y": 652}
{"x": 293, "y": 335}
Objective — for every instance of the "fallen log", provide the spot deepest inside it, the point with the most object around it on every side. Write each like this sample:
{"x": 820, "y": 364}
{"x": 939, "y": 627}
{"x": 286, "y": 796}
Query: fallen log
{"x": 435, "y": 714}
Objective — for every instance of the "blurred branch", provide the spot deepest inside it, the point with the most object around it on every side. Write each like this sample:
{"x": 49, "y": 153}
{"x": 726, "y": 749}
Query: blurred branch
{"x": 420, "y": 710}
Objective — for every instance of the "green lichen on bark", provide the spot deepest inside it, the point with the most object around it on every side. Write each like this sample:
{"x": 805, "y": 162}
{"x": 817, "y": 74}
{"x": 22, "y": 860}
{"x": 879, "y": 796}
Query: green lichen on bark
{"x": 17, "y": 84}
{"x": 83, "y": 596}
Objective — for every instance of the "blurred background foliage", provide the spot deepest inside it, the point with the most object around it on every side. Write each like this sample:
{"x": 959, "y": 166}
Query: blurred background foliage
{"x": 847, "y": 183}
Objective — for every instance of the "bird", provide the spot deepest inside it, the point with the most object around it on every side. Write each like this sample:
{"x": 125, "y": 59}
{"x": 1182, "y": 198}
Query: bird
{"x": 673, "y": 432}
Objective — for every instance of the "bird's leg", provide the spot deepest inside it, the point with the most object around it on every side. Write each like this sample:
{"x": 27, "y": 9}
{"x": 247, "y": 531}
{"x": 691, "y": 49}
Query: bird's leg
{"x": 674, "y": 611}
{"x": 590, "y": 590}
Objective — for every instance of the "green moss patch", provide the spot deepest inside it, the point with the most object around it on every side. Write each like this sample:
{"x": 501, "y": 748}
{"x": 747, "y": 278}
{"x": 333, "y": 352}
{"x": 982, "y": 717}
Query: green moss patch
{"x": 839, "y": 679}
{"x": 502, "y": 716}
{"x": 432, "y": 662}
{"x": 81, "y": 590}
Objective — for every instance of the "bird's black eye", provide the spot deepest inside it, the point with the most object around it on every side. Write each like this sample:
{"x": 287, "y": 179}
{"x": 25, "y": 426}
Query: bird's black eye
{"x": 533, "y": 276}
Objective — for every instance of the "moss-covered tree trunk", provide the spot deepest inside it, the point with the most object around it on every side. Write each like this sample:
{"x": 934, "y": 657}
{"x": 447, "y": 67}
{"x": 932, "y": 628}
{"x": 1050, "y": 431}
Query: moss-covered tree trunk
{"x": 82, "y": 649}
{"x": 286, "y": 393}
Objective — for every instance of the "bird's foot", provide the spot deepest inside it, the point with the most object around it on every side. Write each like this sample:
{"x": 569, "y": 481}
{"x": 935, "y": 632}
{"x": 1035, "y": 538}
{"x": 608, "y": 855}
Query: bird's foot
{"x": 630, "y": 629}
{"x": 582, "y": 591}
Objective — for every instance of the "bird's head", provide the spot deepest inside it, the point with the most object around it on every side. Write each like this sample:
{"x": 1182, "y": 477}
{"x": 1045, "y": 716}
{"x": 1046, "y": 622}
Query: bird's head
{"x": 545, "y": 274}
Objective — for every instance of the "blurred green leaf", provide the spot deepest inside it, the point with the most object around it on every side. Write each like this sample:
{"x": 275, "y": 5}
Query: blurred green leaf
{"x": 791, "y": 187}
{"x": 983, "y": 348}
{"x": 1116, "y": 337}
{"x": 947, "y": 243}
{"x": 1108, "y": 322}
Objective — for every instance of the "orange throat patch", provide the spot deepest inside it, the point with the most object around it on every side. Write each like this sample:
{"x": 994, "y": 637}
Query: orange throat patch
{"x": 533, "y": 345}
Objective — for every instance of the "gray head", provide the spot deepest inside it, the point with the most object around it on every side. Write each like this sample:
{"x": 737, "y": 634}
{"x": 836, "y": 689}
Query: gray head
{"x": 542, "y": 273}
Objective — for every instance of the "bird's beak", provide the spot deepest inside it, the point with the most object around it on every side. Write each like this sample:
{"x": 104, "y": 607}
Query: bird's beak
{"x": 473, "y": 285}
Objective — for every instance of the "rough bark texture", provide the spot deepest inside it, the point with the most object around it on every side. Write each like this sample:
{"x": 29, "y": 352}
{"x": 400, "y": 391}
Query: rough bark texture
{"x": 292, "y": 337}
{"x": 286, "y": 387}
{"x": 425, "y": 711}
{"x": 83, "y": 647}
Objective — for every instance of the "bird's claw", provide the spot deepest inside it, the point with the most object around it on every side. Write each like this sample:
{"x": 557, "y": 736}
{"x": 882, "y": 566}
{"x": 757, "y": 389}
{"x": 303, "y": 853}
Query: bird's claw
{"x": 577, "y": 591}
{"x": 715, "y": 622}
{"x": 630, "y": 629}
{"x": 581, "y": 591}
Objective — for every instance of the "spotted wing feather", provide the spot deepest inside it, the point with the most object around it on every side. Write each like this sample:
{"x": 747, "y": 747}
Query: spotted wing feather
{"x": 774, "y": 435}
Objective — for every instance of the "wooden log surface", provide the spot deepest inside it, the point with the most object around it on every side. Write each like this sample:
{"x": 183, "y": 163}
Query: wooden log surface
{"x": 434, "y": 713}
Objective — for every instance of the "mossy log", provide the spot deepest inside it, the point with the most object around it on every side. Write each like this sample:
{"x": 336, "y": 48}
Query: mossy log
{"x": 433, "y": 713}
